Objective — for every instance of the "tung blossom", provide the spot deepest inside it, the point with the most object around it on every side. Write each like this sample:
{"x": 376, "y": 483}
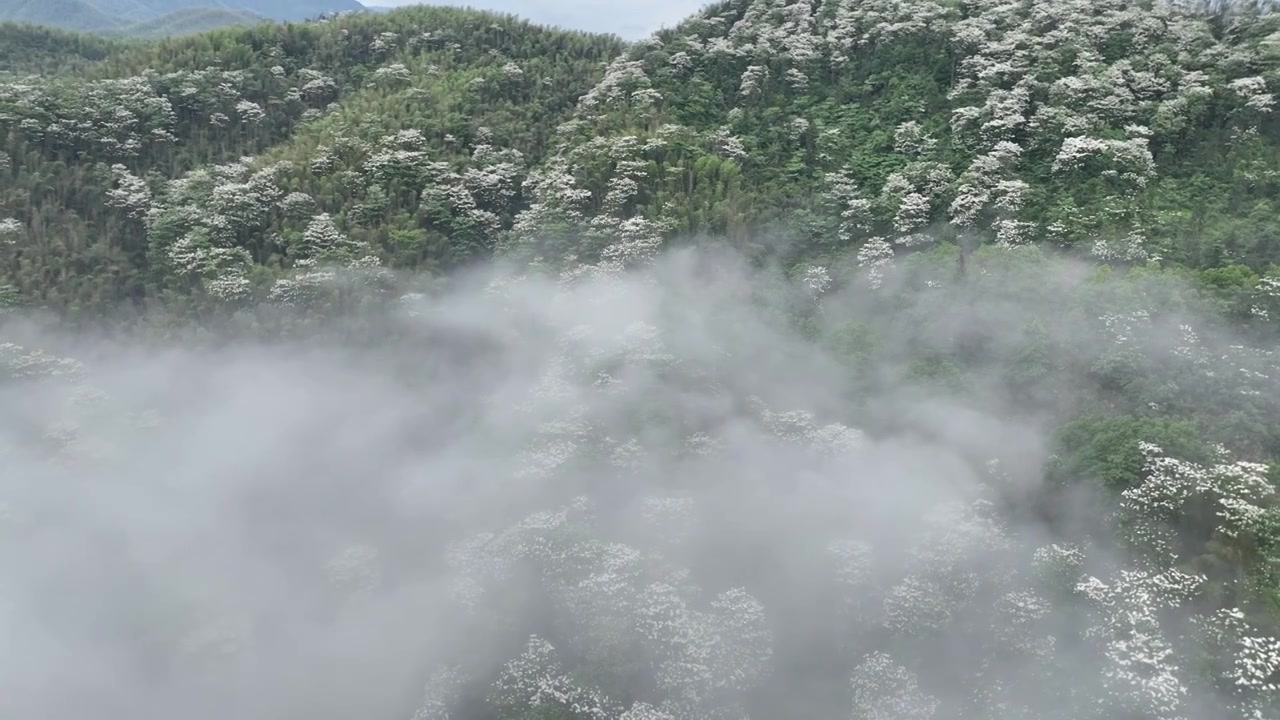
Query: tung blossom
{"x": 1254, "y": 92}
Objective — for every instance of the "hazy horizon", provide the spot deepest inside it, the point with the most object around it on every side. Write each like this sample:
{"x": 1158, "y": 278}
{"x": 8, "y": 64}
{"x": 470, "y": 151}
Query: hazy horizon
{"x": 628, "y": 21}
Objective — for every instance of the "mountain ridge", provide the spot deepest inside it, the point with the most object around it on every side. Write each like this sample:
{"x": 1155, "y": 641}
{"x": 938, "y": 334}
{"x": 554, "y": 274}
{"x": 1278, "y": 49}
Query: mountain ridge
{"x": 144, "y": 18}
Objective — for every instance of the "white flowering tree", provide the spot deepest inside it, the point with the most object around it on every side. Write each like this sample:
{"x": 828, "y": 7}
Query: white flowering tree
{"x": 1095, "y": 93}
{"x": 441, "y": 694}
{"x": 131, "y": 194}
{"x": 536, "y": 680}
{"x": 885, "y": 690}
{"x": 1235, "y": 492}
{"x": 1142, "y": 670}
{"x": 1246, "y": 659}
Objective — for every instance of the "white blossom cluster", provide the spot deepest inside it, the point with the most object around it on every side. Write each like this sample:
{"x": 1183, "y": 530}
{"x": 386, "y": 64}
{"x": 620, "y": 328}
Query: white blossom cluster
{"x": 123, "y": 120}
{"x": 202, "y": 220}
{"x": 586, "y": 234}
{"x": 113, "y": 119}
{"x": 536, "y": 679}
{"x": 1029, "y": 78}
{"x": 10, "y": 231}
{"x": 1238, "y": 492}
{"x": 18, "y": 362}
{"x": 1266, "y": 297}
{"x": 885, "y": 690}
{"x": 614, "y": 600}
{"x": 1143, "y": 671}
{"x": 393, "y": 75}
{"x": 131, "y": 194}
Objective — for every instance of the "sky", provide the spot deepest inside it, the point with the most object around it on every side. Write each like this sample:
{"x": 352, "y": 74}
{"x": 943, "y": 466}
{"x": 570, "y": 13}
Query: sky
{"x": 630, "y": 20}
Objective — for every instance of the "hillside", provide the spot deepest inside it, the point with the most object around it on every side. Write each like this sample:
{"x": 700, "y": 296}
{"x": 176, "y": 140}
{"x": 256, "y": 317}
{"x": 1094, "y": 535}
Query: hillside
{"x": 30, "y": 49}
{"x": 895, "y": 360}
{"x": 472, "y": 90}
{"x": 1123, "y": 130}
{"x": 1129, "y": 147}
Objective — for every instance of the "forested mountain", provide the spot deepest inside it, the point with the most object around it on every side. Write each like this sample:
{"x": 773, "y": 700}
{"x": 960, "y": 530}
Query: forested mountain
{"x": 885, "y": 359}
{"x": 70, "y": 14}
{"x": 1152, "y": 140}
{"x": 148, "y": 18}
{"x": 282, "y": 128}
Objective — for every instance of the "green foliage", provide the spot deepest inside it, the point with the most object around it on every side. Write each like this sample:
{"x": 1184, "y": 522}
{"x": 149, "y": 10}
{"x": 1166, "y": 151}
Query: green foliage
{"x": 1232, "y": 288}
{"x": 1105, "y": 449}
{"x": 853, "y": 344}
{"x": 937, "y": 374}
{"x": 46, "y": 50}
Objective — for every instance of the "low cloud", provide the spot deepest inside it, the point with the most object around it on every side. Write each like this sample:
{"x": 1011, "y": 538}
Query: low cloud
{"x": 689, "y": 490}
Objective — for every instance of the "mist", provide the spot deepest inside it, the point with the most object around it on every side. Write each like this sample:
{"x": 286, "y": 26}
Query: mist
{"x": 698, "y": 489}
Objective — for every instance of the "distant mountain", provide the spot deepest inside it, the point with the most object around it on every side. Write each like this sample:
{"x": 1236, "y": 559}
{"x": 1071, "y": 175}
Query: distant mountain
{"x": 282, "y": 9}
{"x": 190, "y": 21}
{"x": 151, "y": 18}
{"x": 69, "y": 14}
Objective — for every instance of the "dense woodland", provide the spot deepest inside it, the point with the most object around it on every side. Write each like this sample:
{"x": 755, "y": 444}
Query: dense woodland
{"x": 1059, "y": 216}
